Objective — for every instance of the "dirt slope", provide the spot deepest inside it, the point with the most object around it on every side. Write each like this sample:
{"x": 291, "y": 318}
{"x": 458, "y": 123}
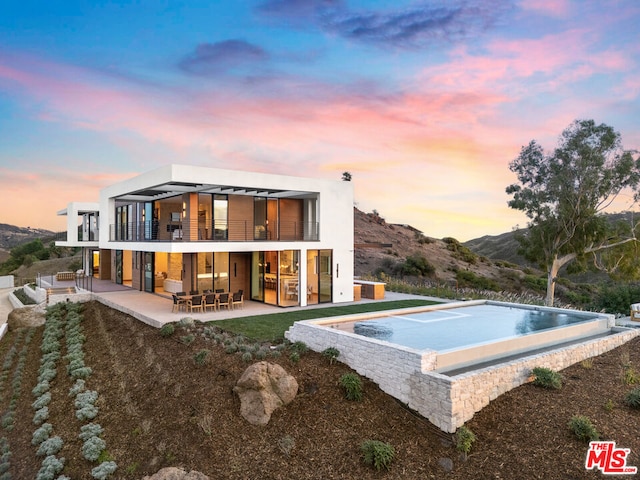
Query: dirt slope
{"x": 159, "y": 408}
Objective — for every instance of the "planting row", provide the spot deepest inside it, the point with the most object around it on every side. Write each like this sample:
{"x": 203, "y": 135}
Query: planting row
{"x": 64, "y": 321}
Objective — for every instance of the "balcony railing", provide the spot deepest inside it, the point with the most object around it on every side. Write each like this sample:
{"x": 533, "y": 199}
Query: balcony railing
{"x": 64, "y": 236}
{"x": 231, "y": 231}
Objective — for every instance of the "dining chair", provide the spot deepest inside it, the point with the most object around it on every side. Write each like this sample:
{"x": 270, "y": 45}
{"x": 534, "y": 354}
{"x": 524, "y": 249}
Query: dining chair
{"x": 237, "y": 299}
{"x": 181, "y": 294}
{"x": 178, "y": 304}
{"x": 194, "y": 292}
{"x": 224, "y": 301}
{"x": 195, "y": 303}
{"x": 210, "y": 301}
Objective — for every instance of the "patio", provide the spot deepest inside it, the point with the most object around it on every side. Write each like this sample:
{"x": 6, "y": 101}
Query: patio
{"x": 156, "y": 310}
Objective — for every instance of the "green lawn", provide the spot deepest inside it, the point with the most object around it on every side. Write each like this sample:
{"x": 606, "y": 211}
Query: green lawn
{"x": 271, "y": 328}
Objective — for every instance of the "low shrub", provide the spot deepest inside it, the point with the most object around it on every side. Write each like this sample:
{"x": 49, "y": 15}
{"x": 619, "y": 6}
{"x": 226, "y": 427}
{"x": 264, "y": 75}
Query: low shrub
{"x": 167, "y": 330}
{"x": 90, "y": 430}
{"x": 351, "y": 383}
{"x": 40, "y": 388}
{"x": 42, "y": 401}
{"x": 633, "y": 398}
{"x": 41, "y": 434}
{"x": 299, "y": 347}
{"x": 294, "y": 357}
{"x": 331, "y": 353}
{"x": 464, "y": 439}
{"x": 50, "y": 446}
{"x": 201, "y": 357}
{"x": 92, "y": 448}
{"x": 77, "y": 387}
{"x": 102, "y": 471}
{"x": 629, "y": 375}
{"x": 377, "y": 454}
{"x": 41, "y": 415}
{"x": 582, "y": 427}
{"x": 51, "y": 466}
{"x": 188, "y": 339}
{"x": 547, "y": 378}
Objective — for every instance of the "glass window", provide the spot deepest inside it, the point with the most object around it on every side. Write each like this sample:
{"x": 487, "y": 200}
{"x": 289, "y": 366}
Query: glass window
{"x": 204, "y": 216}
{"x": 221, "y": 271}
{"x": 289, "y": 277}
{"x": 221, "y": 217}
{"x": 260, "y": 218}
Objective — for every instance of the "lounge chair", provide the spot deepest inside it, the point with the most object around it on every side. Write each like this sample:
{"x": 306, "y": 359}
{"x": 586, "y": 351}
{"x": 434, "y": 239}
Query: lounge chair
{"x": 635, "y": 312}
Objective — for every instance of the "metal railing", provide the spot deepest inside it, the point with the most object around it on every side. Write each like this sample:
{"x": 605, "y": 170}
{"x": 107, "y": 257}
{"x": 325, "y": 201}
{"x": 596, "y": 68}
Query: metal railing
{"x": 63, "y": 237}
{"x": 231, "y": 231}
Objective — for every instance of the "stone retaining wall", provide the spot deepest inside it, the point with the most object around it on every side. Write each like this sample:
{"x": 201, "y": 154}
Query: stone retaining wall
{"x": 447, "y": 402}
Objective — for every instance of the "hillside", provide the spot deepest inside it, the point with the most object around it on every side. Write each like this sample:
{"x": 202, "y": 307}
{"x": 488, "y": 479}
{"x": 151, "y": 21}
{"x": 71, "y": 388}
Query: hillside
{"x": 12, "y": 236}
{"x": 505, "y": 246}
{"x": 381, "y": 245}
{"x": 159, "y": 407}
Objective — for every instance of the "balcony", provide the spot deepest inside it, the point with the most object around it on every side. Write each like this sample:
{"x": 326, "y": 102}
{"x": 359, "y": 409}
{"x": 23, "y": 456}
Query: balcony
{"x": 64, "y": 235}
{"x": 231, "y": 231}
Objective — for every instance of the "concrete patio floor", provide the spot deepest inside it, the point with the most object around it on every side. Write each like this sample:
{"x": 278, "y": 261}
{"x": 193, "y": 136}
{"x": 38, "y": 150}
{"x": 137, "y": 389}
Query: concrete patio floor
{"x": 156, "y": 309}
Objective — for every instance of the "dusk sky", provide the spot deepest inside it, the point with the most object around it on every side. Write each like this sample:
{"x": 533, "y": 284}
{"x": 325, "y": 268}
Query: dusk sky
{"x": 424, "y": 103}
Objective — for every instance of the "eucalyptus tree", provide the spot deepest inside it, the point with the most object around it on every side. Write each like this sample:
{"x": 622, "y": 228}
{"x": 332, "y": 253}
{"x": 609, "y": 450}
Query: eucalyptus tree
{"x": 564, "y": 195}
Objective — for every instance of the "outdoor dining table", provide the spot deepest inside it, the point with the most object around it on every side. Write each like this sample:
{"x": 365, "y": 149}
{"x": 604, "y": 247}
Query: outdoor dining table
{"x": 188, "y": 297}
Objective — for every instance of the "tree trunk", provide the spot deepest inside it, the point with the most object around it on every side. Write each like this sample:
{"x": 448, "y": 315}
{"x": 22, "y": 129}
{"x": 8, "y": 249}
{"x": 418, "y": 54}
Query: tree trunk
{"x": 552, "y": 275}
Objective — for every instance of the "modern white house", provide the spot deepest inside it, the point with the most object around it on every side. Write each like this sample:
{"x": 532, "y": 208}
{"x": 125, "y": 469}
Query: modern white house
{"x": 283, "y": 240}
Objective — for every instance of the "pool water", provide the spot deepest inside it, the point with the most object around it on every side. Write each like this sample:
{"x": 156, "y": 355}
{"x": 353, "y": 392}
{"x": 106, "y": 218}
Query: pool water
{"x": 453, "y": 328}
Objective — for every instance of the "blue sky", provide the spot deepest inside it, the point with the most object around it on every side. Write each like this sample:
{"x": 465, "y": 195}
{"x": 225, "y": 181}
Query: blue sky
{"x": 425, "y": 103}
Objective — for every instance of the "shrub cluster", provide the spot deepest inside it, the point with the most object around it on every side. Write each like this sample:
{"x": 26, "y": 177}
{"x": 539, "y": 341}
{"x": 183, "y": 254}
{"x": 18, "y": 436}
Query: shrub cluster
{"x": 351, "y": 383}
{"x": 633, "y": 398}
{"x": 377, "y": 454}
{"x": 464, "y": 439}
{"x": 5, "y": 457}
{"x": 547, "y": 378}
{"x": 48, "y": 446}
{"x": 582, "y": 427}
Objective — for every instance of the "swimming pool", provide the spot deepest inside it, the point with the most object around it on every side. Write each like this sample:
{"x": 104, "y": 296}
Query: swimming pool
{"x": 468, "y": 353}
{"x": 443, "y": 328}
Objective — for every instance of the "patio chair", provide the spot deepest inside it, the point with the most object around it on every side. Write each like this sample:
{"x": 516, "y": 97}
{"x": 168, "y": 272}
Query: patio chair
{"x": 195, "y": 303}
{"x": 224, "y": 301}
{"x": 181, "y": 294}
{"x": 194, "y": 292}
{"x": 210, "y": 301}
{"x": 237, "y": 299}
{"x": 219, "y": 290}
{"x": 178, "y": 304}
{"x": 635, "y": 312}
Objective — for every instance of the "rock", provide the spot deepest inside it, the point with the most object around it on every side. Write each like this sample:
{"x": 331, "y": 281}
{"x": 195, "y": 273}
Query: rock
{"x": 26, "y": 317}
{"x": 446, "y": 463}
{"x": 262, "y": 388}
{"x": 174, "y": 473}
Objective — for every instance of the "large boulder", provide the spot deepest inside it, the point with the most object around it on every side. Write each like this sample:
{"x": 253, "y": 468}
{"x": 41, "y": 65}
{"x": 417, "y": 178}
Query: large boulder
{"x": 174, "y": 473}
{"x": 262, "y": 388}
{"x": 26, "y": 317}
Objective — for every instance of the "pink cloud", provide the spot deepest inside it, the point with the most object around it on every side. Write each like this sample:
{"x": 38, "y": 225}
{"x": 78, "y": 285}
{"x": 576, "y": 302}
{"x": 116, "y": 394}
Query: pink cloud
{"x": 553, "y": 8}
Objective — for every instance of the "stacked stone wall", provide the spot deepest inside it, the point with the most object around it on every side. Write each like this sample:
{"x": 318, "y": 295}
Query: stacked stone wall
{"x": 446, "y": 401}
